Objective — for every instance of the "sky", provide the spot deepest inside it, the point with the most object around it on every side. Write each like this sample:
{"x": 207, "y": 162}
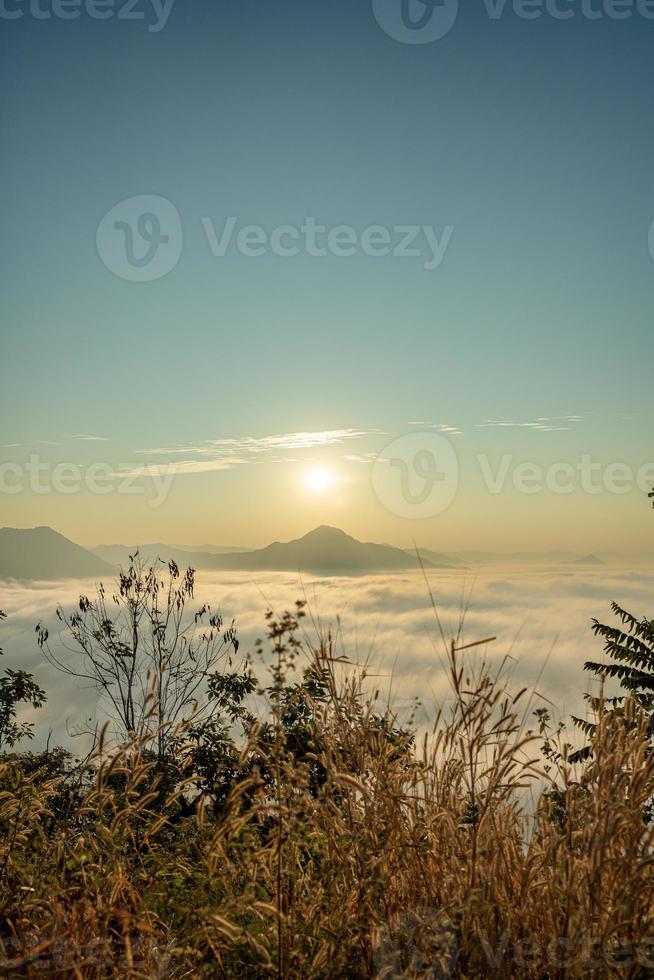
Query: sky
{"x": 275, "y": 265}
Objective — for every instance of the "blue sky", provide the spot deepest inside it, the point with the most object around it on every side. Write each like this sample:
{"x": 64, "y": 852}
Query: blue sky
{"x": 532, "y": 140}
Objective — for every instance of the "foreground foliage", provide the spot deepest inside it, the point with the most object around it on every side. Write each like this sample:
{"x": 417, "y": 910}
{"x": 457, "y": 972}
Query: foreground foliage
{"x": 309, "y": 835}
{"x": 16, "y": 688}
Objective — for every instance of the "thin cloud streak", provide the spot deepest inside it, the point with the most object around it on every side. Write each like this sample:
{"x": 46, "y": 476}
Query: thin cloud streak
{"x": 86, "y": 438}
{"x": 444, "y": 427}
{"x": 538, "y": 425}
{"x": 226, "y": 454}
{"x": 189, "y": 467}
{"x": 263, "y": 444}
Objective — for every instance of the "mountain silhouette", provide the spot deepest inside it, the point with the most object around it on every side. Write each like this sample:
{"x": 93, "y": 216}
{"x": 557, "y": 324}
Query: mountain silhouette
{"x": 587, "y": 560}
{"x": 509, "y": 558}
{"x": 201, "y": 559}
{"x": 324, "y": 550}
{"x": 211, "y": 549}
{"x": 41, "y": 553}
{"x": 436, "y": 558}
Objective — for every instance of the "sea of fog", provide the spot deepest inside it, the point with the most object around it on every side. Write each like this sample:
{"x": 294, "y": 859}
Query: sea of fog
{"x": 541, "y": 618}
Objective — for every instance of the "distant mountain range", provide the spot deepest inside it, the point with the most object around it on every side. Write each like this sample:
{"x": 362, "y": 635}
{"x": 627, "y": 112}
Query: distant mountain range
{"x": 436, "y": 558}
{"x": 205, "y": 558}
{"x": 519, "y": 558}
{"x": 41, "y": 553}
{"x": 212, "y": 549}
{"x": 516, "y": 557}
{"x": 324, "y": 550}
{"x": 588, "y": 560}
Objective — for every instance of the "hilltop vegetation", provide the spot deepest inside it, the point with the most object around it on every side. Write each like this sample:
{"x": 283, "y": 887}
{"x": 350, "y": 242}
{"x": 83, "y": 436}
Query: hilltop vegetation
{"x": 260, "y": 814}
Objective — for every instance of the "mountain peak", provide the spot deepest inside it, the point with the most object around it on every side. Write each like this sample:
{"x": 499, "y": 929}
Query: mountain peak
{"x": 326, "y": 532}
{"x": 39, "y": 529}
{"x": 327, "y": 549}
{"x": 43, "y": 553}
{"x": 588, "y": 560}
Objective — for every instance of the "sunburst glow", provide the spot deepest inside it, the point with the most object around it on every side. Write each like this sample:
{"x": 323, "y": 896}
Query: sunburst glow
{"x": 318, "y": 479}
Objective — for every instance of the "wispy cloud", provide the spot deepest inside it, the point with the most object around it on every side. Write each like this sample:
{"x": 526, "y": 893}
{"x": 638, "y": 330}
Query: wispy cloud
{"x": 86, "y": 438}
{"x": 361, "y": 457}
{"x": 255, "y": 445}
{"x": 444, "y": 427}
{"x": 180, "y": 468}
{"x": 214, "y": 455}
{"x": 79, "y": 437}
{"x": 546, "y": 424}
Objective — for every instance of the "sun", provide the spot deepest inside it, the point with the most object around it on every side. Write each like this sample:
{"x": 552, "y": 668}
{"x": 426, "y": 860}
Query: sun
{"x": 318, "y": 479}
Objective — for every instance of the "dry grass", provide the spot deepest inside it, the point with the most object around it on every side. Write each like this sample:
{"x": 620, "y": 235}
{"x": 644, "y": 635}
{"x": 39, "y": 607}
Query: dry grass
{"x": 459, "y": 856}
